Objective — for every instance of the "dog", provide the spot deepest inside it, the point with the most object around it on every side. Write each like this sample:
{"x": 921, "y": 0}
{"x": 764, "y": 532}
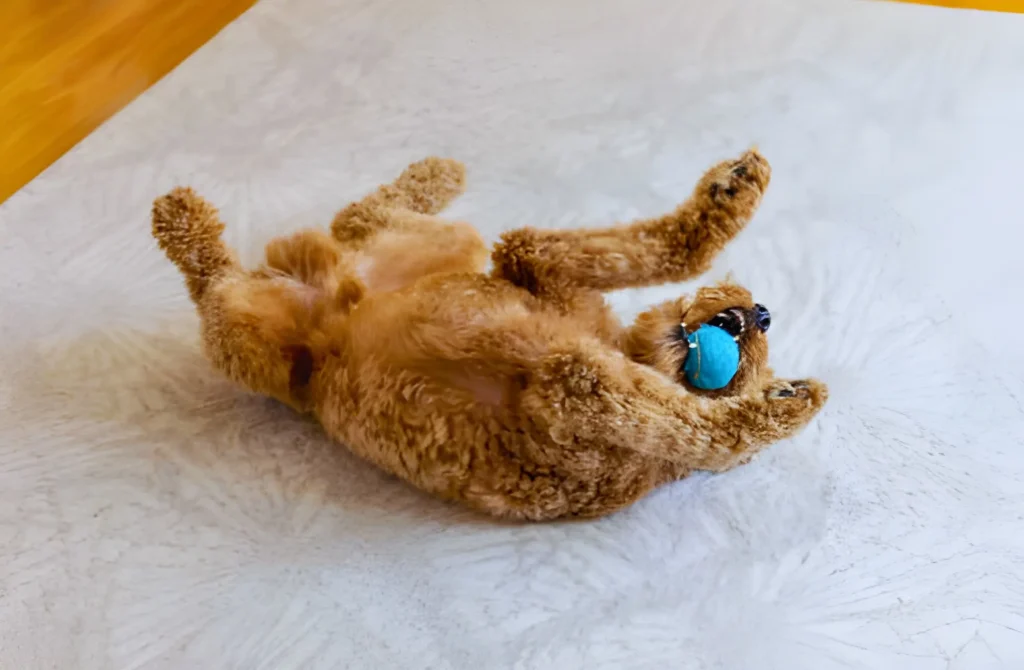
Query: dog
{"x": 515, "y": 391}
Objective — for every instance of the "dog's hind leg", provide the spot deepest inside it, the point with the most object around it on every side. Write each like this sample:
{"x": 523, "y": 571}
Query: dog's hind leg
{"x": 263, "y": 330}
{"x": 396, "y": 237}
{"x": 425, "y": 187}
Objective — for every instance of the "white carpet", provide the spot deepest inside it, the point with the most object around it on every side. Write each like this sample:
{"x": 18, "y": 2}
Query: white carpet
{"x": 153, "y": 517}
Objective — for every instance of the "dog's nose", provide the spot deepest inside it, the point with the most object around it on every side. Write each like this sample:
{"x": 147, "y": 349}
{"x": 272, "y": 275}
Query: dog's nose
{"x": 762, "y": 318}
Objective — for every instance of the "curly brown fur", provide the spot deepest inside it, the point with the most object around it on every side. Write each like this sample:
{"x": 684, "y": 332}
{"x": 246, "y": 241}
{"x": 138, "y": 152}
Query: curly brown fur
{"x": 516, "y": 392}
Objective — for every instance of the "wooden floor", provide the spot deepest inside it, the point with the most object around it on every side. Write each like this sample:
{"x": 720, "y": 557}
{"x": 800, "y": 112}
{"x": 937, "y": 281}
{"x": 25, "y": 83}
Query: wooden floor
{"x": 987, "y": 5}
{"x": 68, "y": 65}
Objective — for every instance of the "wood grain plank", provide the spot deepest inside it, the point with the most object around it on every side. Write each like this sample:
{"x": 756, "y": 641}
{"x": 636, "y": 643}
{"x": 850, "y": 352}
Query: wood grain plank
{"x": 68, "y": 65}
{"x": 1012, "y": 6}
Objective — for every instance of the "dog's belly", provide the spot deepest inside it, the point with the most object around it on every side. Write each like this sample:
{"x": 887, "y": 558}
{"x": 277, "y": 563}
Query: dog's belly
{"x": 402, "y": 397}
{"x": 469, "y": 299}
{"x": 449, "y": 444}
{"x": 429, "y": 393}
{"x": 452, "y": 318}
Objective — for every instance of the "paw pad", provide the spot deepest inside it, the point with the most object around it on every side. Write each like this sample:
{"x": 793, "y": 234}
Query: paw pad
{"x": 794, "y": 389}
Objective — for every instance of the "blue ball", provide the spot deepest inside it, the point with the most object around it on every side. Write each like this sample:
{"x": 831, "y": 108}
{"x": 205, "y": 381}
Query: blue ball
{"x": 713, "y": 362}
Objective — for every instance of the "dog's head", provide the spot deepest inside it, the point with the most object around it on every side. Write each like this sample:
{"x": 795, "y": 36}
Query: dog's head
{"x": 658, "y": 337}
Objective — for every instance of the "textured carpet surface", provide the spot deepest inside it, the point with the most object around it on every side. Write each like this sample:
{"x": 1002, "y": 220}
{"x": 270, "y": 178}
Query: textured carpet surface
{"x": 151, "y": 516}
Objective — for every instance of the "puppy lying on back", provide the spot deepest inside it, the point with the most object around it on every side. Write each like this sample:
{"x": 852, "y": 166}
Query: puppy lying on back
{"x": 516, "y": 392}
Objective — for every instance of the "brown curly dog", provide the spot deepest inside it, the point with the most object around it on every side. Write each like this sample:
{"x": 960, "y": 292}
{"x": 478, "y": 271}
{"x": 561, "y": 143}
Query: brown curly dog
{"x": 515, "y": 392}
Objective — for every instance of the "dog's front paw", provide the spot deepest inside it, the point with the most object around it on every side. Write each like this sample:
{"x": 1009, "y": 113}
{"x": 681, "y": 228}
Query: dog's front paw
{"x": 804, "y": 389}
{"x": 794, "y": 402}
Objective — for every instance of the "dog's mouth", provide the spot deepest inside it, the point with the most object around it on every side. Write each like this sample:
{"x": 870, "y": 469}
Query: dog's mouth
{"x": 737, "y": 321}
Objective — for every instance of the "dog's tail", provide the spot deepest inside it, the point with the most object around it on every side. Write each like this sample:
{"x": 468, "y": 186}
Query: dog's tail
{"x": 188, "y": 229}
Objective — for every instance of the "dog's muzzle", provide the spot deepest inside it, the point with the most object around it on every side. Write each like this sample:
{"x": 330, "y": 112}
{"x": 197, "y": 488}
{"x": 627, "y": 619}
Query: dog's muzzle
{"x": 737, "y": 321}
